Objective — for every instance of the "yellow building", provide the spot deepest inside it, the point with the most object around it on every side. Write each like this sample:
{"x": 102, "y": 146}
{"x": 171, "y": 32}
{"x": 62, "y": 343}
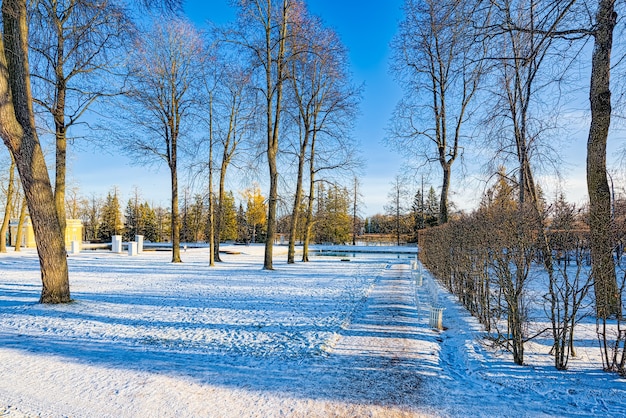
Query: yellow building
{"x": 73, "y": 232}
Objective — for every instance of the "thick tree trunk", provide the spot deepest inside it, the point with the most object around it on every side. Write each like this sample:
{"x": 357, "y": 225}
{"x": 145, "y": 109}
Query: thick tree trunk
{"x": 60, "y": 172}
{"x": 17, "y": 128}
{"x": 220, "y": 211}
{"x": 60, "y": 132}
{"x": 175, "y": 215}
{"x": 603, "y": 267}
{"x": 175, "y": 221}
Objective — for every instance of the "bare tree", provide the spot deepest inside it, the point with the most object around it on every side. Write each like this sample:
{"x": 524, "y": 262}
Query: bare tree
{"x": 74, "y": 45}
{"x": 317, "y": 79}
{"x": 8, "y": 207}
{"x": 166, "y": 64}
{"x": 17, "y": 129}
{"x": 439, "y": 64}
{"x": 268, "y": 25}
{"x": 397, "y": 206}
{"x": 232, "y": 110}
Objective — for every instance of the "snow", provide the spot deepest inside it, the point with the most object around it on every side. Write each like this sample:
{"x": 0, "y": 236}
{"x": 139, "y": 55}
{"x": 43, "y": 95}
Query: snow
{"x": 148, "y": 338}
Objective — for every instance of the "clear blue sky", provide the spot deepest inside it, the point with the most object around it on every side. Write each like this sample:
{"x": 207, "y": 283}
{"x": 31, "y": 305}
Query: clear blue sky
{"x": 366, "y": 29}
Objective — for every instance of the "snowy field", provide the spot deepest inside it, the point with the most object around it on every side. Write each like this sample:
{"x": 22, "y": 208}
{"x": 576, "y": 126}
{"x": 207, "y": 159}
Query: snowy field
{"x": 146, "y": 338}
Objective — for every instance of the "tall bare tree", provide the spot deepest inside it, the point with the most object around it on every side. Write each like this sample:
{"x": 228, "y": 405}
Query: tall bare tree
{"x": 233, "y": 105}
{"x": 268, "y": 25}
{"x": 438, "y": 62}
{"x": 8, "y": 207}
{"x": 166, "y": 69}
{"x": 75, "y": 45}
{"x": 17, "y": 129}
{"x": 397, "y": 206}
{"x": 603, "y": 267}
{"x": 564, "y": 22}
{"x": 318, "y": 94}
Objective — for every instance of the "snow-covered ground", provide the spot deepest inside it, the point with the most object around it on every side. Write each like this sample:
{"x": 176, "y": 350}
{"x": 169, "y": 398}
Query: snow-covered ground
{"x": 147, "y": 338}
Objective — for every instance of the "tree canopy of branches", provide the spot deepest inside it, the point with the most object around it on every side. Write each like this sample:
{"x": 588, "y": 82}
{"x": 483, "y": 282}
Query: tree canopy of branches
{"x": 165, "y": 73}
{"x": 75, "y": 45}
{"x": 438, "y": 62}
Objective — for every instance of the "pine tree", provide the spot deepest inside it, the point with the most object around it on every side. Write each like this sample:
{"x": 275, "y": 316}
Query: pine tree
{"x": 111, "y": 218}
{"x": 333, "y": 222}
{"x": 229, "y": 218}
{"x": 431, "y": 207}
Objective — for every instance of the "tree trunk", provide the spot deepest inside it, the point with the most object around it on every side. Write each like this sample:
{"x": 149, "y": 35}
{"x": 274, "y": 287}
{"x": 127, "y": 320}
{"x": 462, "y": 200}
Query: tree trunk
{"x": 7, "y": 209}
{"x": 60, "y": 131}
{"x": 274, "y": 85}
{"x": 20, "y": 226}
{"x": 308, "y": 228}
{"x": 445, "y": 188}
{"x": 212, "y": 240}
{"x": 271, "y": 211}
{"x": 295, "y": 214}
{"x": 220, "y": 211}
{"x": 17, "y": 128}
{"x": 175, "y": 215}
{"x": 603, "y": 267}
{"x": 61, "y": 159}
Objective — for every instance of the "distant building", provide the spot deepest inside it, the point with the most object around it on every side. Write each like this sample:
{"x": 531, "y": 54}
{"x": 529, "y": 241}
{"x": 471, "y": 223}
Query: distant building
{"x": 73, "y": 232}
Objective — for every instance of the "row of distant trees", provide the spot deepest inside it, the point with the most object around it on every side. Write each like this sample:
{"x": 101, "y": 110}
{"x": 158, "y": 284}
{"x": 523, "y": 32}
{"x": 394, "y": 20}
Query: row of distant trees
{"x": 243, "y": 219}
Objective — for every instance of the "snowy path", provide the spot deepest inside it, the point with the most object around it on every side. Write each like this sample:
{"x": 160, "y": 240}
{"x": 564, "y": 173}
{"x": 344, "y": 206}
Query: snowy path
{"x": 376, "y": 358}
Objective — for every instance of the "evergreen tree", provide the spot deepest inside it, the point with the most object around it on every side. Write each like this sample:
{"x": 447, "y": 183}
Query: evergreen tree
{"x": 229, "y": 218}
{"x": 131, "y": 218}
{"x": 431, "y": 207}
{"x": 333, "y": 223}
{"x": 242, "y": 225}
{"x": 111, "y": 218}
{"x": 418, "y": 213}
{"x": 149, "y": 227}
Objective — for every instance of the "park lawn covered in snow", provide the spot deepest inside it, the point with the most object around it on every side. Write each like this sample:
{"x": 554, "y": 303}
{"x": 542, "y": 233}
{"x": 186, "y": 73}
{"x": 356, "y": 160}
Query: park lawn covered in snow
{"x": 146, "y": 337}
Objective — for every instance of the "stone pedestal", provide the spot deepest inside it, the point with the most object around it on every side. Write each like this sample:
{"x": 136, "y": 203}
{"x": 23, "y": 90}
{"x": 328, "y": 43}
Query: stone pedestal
{"x": 139, "y": 241}
{"x": 116, "y": 244}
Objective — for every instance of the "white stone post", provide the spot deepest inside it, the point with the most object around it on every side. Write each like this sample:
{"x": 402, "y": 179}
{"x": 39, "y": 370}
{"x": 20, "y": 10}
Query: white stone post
{"x": 75, "y": 247}
{"x": 116, "y": 243}
{"x": 139, "y": 241}
{"x": 132, "y": 248}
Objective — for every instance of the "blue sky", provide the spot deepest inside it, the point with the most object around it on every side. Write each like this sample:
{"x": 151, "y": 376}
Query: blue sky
{"x": 366, "y": 28}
